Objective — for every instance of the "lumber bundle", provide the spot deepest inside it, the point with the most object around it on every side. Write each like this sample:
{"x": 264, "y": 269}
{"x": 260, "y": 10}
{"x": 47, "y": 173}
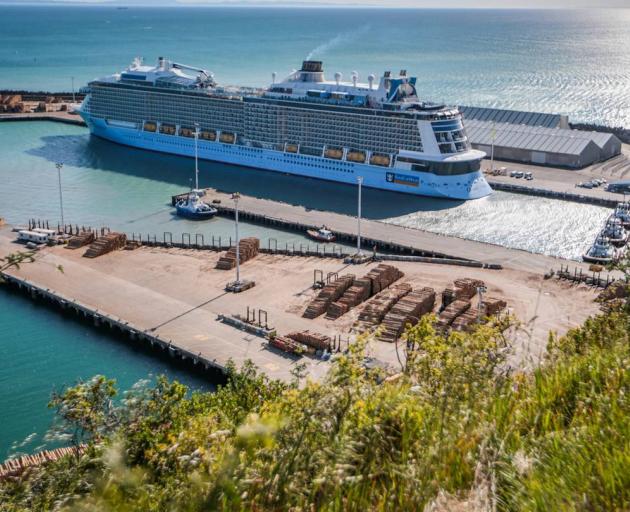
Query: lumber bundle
{"x": 494, "y": 305}
{"x": 328, "y": 294}
{"x": 376, "y": 309}
{"x": 452, "y": 311}
{"x": 407, "y": 311}
{"x": 247, "y": 248}
{"x": 466, "y": 288}
{"x": 382, "y": 276}
{"x": 353, "y": 296}
{"x": 14, "y": 467}
{"x": 465, "y": 321}
{"x": 82, "y": 239}
{"x": 311, "y": 339}
{"x": 288, "y": 345}
{"x": 107, "y": 243}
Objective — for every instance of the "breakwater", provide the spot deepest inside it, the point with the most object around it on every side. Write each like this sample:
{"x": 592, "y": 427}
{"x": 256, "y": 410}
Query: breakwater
{"x": 553, "y": 194}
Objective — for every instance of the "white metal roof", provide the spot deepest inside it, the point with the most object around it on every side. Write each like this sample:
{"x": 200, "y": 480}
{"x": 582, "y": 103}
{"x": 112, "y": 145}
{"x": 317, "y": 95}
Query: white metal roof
{"x": 511, "y": 116}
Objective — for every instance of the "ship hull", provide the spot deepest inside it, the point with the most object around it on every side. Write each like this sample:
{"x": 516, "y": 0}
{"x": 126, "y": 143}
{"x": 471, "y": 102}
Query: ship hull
{"x": 460, "y": 187}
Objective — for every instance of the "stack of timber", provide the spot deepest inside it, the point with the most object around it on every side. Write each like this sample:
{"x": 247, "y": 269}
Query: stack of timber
{"x": 329, "y": 294}
{"x": 82, "y": 239}
{"x": 107, "y": 243}
{"x": 11, "y": 103}
{"x": 311, "y": 339}
{"x": 353, "y": 296}
{"x": 13, "y": 467}
{"x": 288, "y": 345}
{"x": 407, "y": 311}
{"x": 382, "y": 277}
{"x": 376, "y": 280}
{"x": 467, "y": 320}
{"x": 494, "y": 305}
{"x": 452, "y": 311}
{"x": 376, "y": 309}
{"x": 247, "y": 247}
{"x": 466, "y": 288}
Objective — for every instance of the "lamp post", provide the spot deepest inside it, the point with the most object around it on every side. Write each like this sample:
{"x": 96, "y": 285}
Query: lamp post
{"x": 494, "y": 134}
{"x": 59, "y": 166}
{"x": 360, "y": 182}
{"x": 196, "y": 157}
{"x": 74, "y": 100}
{"x": 236, "y": 196}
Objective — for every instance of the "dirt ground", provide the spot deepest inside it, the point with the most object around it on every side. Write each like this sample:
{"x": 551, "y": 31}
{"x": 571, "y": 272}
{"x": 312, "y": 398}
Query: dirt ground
{"x": 178, "y": 293}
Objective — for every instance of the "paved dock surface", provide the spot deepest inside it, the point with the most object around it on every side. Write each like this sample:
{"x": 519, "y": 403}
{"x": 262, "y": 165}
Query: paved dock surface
{"x": 448, "y": 246}
{"x": 61, "y": 117}
{"x": 177, "y": 294}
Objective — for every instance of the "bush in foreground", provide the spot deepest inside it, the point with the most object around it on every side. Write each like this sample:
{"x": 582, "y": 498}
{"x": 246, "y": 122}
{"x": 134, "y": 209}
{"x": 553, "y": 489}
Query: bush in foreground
{"x": 456, "y": 430}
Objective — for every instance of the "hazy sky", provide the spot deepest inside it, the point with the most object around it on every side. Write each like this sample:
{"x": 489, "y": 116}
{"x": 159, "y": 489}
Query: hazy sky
{"x": 353, "y": 3}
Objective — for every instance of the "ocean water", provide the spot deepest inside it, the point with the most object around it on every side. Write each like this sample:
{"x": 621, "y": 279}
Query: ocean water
{"x": 568, "y": 61}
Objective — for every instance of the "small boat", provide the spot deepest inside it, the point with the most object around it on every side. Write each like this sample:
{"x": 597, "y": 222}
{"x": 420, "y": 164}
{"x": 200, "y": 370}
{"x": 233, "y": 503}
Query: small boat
{"x": 322, "y": 234}
{"x": 622, "y": 212}
{"x": 194, "y": 208}
{"x": 615, "y": 232}
{"x": 601, "y": 252}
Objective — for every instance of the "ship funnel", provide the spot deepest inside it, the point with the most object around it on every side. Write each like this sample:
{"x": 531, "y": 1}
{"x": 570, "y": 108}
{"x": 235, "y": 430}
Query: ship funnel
{"x": 273, "y": 77}
{"x": 371, "y": 79}
{"x": 161, "y": 62}
{"x": 337, "y": 78}
{"x": 355, "y": 78}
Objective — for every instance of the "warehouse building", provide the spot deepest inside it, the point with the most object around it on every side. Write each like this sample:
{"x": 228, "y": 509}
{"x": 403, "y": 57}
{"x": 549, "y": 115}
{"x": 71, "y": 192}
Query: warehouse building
{"x": 517, "y": 137}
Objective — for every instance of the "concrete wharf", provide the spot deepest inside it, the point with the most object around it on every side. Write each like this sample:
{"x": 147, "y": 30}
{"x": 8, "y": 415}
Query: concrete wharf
{"x": 385, "y": 236}
{"x": 59, "y": 117}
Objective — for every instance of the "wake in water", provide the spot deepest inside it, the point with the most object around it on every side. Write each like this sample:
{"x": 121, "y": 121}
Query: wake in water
{"x": 339, "y": 39}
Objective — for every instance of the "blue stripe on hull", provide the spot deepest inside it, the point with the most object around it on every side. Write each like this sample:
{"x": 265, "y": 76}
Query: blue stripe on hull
{"x": 470, "y": 186}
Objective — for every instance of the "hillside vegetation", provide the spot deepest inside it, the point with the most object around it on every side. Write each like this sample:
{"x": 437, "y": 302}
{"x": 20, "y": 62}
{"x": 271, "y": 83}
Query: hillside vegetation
{"x": 456, "y": 430}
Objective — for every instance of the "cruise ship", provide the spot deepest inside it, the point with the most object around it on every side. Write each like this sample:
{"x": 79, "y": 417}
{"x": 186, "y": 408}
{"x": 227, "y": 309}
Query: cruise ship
{"x": 305, "y": 125}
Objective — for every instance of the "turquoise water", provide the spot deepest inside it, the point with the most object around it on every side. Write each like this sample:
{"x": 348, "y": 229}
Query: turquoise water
{"x": 41, "y": 350}
{"x": 574, "y": 62}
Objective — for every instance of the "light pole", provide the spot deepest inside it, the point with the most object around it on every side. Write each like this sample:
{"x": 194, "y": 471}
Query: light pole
{"x": 59, "y": 166}
{"x": 494, "y": 134}
{"x": 74, "y": 100}
{"x": 196, "y": 157}
{"x": 236, "y": 196}
{"x": 360, "y": 182}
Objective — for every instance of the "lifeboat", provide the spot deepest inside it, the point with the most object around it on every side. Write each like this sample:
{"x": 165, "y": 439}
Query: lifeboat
{"x": 334, "y": 153}
{"x": 167, "y": 129}
{"x": 322, "y": 234}
{"x": 150, "y": 126}
{"x": 227, "y": 138}
{"x": 380, "y": 159}
{"x": 356, "y": 156}
{"x": 208, "y": 135}
{"x": 291, "y": 148}
{"x": 187, "y": 132}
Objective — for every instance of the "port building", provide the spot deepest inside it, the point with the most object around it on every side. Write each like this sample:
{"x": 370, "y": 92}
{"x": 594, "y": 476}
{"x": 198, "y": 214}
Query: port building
{"x": 537, "y": 138}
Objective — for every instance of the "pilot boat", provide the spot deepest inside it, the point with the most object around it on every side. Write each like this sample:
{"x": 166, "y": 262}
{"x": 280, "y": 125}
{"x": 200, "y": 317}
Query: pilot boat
{"x": 194, "y": 208}
{"x": 601, "y": 252}
{"x": 322, "y": 234}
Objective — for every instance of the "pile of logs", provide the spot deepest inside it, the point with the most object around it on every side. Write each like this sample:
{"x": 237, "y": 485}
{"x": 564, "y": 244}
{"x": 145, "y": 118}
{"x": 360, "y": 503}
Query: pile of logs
{"x": 107, "y": 243}
{"x": 11, "y": 103}
{"x": 452, "y": 311}
{"x": 311, "y": 339}
{"x": 468, "y": 319}
{"x": 287, "y": 345}
{"x": 13, "y": 467}
{"x": 247, "y": 248}
{"x": 382, "y": 277}
{"x": 464, "y": 288}
{"x": 329, "y": 294}
{"x": 376, "y": 309}
{"x": 82, "y": 239}
{"x": 493, "y": 305}
{"x": 407, "y": 311}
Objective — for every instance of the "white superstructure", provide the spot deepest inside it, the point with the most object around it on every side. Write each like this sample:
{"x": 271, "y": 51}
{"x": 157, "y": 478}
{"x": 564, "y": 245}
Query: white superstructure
{"x": 303, "y": 125}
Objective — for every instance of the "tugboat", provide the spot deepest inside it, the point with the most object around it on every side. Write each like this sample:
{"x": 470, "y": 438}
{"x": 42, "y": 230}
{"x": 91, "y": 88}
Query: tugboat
{"x": 194, "y": 208}
{"x": 622, "y": 212}
{"x": 615, "y": 232}
{"x": 601, "y": 252}
{"x": 322, "y": 234}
